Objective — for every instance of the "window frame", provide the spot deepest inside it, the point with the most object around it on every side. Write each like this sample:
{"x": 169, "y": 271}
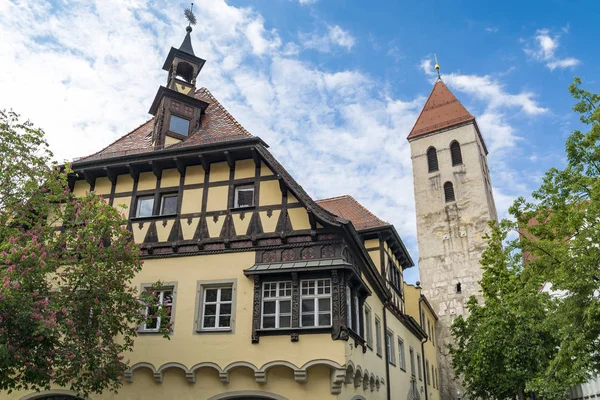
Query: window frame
{"x": 449, "y": 194}
{"x": 182, "y": 118}
{"x": 401, "y": 354}
{"x": 427, "y": 375}
{"x": 419, "y": 367}
{"x": 166, "y": 286}
{"x": 378, "y": 336}
{"x": 368, "y": 326}
{"x": 138, "y": 207}
{"x": 245, "y": 186}
{"x": 389, "y": 347}
{"x": 277, "y": 299}
{"x": 163, "y": 196}
{"x": 316, "y": 297}
{"x": 349, "y": 316}
{"x": 412, "y": 360}
{"x": 456, "y": 155}
{"x": 201, "y": 287}
{"x": 432, "y": 157}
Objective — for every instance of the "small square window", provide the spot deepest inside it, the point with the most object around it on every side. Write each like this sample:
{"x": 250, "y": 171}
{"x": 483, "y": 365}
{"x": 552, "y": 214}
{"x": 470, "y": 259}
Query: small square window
{"x": 179, "y": 125}
{"x": 145, "y": 206}
{"x": 244, "y": 196}
{"x": 168, "y": 204}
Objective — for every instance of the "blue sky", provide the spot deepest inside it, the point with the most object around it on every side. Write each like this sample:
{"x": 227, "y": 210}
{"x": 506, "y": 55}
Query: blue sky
{"x": 333, "y": 86}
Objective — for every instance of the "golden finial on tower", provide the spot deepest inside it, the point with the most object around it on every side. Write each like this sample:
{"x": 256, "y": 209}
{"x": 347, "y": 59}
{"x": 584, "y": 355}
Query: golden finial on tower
{"x": 437, "y": 66}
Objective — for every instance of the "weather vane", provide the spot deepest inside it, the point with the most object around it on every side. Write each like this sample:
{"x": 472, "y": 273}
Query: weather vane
{"x": 437, "y": 66}
{"x": 189, "y": 15}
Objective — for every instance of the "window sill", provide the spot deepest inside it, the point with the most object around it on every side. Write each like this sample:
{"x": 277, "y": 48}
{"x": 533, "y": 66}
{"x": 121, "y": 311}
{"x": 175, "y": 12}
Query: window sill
{"x": 212, "y": 331}
{"x": 152, "y": 217}
{"x": 392, "y": 363}
{"x": 403, "y": 369}
{"x": 145, "y": 332}
{"x": 289, "y": 331}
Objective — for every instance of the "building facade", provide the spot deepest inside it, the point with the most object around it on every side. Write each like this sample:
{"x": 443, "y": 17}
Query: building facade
{"x": 454, "y": 205}
{"x": 271, "y": 294}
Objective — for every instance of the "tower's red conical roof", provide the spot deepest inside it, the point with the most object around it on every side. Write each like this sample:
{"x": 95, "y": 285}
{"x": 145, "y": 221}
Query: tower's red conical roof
{"x": 442, "y": 110}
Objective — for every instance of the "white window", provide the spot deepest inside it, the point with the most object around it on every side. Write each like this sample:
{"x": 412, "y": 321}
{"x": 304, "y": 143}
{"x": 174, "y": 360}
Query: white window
{"x": 216, "y": 308}
{"x": 401, "y": 354}
{"x": 377, "y": 336}
{"x": 389, "y": 344}
{"x": 179, "y": 125}
{"x": 368, "y": 327}
{"x": 315, "y": 305}
{"x": 165, "y": 299}
{"x": 412, "y": 361}
{"x": 168, "y": 204}
{"x": 244, "y": 196}
{"x": 427, "y": 376}
{"x": 277, "y": 305}
{"x": 356, "y": 316}
{"x": 145, "y": 205}
{"x": 348, "y": 307}
{"x": 419, "y": 368}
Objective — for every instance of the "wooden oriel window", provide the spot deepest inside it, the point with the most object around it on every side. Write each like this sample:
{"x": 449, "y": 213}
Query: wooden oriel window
{"x": 432, "y": 160}
{"x": 449, "y": 192}
{"x": 455, "y": 153}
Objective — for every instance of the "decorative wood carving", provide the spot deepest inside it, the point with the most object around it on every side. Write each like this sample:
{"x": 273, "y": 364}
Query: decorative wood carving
{"x": 295, "y": 301}
{"x": 308, "y": 253}
{"x": 269, "y": 256}
{"x": 327, "y": 252}
{"x": 256, "y": 309}
{"x": 288, "y": 255}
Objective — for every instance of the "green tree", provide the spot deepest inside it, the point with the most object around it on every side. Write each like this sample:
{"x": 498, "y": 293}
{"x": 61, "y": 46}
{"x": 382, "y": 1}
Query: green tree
{"x": 68, "y": 313}
{"x": 558, "y": 244}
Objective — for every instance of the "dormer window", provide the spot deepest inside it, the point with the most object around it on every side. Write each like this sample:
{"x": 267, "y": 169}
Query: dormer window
{"x": 179, "y": 125}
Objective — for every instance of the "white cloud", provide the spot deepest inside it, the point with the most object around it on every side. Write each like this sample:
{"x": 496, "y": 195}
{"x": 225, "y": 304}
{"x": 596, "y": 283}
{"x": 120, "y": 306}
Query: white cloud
{"x": 307, "y": 2}
{"x": 335, "y": 36}
{"x": 544, "y": 50}
{"x": 492, "y": 29}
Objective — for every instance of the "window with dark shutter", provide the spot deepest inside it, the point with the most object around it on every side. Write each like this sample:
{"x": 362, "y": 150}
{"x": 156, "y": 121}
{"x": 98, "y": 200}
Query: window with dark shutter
{"x": 244, "y": 196}
{"x": 432, "y": 160}
{"x": 455, "y": 153}
{"x": 449, "y": 192}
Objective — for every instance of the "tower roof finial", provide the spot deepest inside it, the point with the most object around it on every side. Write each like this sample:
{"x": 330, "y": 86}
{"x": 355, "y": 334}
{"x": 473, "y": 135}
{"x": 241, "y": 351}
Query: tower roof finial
{"x": 187, "y": 41}
{"x": 437, "y": 67}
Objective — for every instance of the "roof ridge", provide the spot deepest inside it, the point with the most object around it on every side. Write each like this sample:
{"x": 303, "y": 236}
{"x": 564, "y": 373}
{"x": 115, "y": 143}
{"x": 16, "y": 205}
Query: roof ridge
{"x": 336, "y": 198}
{"x": 222, "y": 107}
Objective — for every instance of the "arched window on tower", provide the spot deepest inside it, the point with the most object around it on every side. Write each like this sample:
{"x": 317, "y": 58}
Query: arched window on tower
{"x": 455, "y": 153}
{"x": 432, "y": 160}
{"x": 449, "y": 192}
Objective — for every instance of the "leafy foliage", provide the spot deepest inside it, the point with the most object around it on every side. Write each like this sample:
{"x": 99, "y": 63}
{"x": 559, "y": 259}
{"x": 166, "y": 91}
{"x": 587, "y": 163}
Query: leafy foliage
{"x": 555, "y": 338}
{"x": 67, "y": 310}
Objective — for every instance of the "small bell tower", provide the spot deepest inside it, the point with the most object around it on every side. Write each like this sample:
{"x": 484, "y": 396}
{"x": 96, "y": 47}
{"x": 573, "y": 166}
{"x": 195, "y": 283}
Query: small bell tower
{"x": 177, "y": 112}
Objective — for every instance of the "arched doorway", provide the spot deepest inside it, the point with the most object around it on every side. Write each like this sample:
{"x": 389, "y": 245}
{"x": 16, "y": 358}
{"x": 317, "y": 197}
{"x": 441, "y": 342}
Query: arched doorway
{"x": 52, "y": 395}
{"x": 248, "y": 395}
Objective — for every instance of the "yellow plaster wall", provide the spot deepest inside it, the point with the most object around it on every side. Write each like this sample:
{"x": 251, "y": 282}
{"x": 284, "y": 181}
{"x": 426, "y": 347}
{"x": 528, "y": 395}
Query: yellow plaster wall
{"x": 371, "y": 243}
{"x": 217, "y": 198}
{"x": 270, "y": 193}
{"x": 146, "y": 181}
{"x": 192, "y": 201}
{"x": 164, "y": 229}
{"x": 241, "y": 225}
{"x": 169, "y": 141}
{"x": 292, "y": 199}
{"x": 264, "y": 170}
{"x": 375, "y": 257}
{"x": 299, "y": 218}
{"x": 81, "y": 188}
{"x": 169, "y": 178}
{"x": 188, "y": 229}
{"x": 214, "y": 227}
{"x": 244, "y": 169}
{"x": 122, "y": 205}
{"x": 124, "y": 183}
{"x": 139, "y": 232}
{"x": 269, "y": 223}
{"x": 219, "y": 172}
{"x": 194, "y": 175}
{"x": 102, "y": 186}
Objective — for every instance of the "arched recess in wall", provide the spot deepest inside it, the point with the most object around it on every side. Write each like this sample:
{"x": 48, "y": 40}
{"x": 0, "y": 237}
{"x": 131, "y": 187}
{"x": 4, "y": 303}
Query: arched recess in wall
{"x": 455, "y": 153}
{"x": 432, "y": 160}
{"x": 449, "y": 192}
{"x": 248, "y": 394}
{"x": 55, "y": 394}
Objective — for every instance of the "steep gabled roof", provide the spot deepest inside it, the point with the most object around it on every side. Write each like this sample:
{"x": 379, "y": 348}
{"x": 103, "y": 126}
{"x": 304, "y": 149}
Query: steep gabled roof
{"x": 218, "y": 125}
{"x": 442, "y": 110}
{"x": 347, "y": 207}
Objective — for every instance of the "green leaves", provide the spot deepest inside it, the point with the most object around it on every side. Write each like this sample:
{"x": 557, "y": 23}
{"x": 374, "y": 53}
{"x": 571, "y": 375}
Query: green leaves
{"x": 521, "y": 338}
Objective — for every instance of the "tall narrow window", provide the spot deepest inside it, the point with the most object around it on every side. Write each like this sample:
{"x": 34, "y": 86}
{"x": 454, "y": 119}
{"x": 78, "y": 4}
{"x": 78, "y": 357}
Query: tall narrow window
{"x": 315, "y": 306}
{"x": 412, "y": 361}
{"x": 419, "y": 367}
{"x": 401, "y": 355}
{"x": 449, "y": 192}
{"x": 348, "y": 307}
{"x": 378, "y": 336}
{"x": 164, "y": 298}
{"x": 389, "y": 346}
{"x": 368, "y": 327}
{"x": 356, "y": 315}
{"x": 427, "y": 372}
{"x": 277, "y": 305}
{"x": 455, "y": 153}
{"x": 458, "y": 288}
{"x": 432, "y": 161}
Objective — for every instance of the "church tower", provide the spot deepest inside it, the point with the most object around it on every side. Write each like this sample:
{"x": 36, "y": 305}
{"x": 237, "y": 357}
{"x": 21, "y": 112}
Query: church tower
{"x": 454, "y": 203}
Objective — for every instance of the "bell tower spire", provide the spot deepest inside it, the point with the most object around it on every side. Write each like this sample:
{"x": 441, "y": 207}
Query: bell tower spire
{"x": 177, "y": 112}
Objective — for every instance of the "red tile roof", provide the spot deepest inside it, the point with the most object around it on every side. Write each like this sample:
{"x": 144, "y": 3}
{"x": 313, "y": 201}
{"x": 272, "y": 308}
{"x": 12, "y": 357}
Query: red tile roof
{"x": 347, "y": 207}
{"x": 442, "y": 110}
{"x": 218, "y": 125}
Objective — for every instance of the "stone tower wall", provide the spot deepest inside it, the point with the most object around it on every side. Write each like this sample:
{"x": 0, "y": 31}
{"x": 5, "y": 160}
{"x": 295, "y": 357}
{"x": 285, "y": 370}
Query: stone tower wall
{"x": 450, "y": 235}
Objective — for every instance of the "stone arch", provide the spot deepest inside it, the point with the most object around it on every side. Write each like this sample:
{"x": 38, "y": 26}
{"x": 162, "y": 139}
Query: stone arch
{"x": 176, "y": 365}
{"x": 358, "y": 375}
{"x": 191, "y": 376}
{"x": 349, "y": 372}
{"x": 359, "y": 397}
{"x": 365, "y": 380}
{"x": 64, "y": 394}
{"x": 248, "y": 394}
{"x": 261, "y": 375}
{"x": 129, "y": 373}
{"x": 372, "y": 382}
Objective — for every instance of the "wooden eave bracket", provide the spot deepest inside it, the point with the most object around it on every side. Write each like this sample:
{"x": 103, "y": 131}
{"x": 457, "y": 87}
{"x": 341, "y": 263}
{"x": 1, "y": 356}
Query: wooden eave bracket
{"x": 255, "y": 156}
{"x": 282, "y": 185}
{"x": 111, "y": 174}
{"x": 204, "y": 162}
{"x": 230, "y": 160}
{"x": 156, "y": 169}
{"x": 89, "y": 177}
{"x": 180, "y": 165}
{"x": 134, "y": 172}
